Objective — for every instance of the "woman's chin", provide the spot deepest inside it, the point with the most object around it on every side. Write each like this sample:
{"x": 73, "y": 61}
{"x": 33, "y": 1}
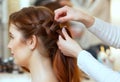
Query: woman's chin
{"x": 18, "y": 63}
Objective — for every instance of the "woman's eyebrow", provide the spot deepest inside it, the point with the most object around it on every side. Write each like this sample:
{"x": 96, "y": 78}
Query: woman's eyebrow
{"x": 10, "y": 34}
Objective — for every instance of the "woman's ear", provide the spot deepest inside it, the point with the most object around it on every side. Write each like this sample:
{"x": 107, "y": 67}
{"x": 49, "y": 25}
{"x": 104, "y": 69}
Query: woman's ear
{"x": 32, "y": 42}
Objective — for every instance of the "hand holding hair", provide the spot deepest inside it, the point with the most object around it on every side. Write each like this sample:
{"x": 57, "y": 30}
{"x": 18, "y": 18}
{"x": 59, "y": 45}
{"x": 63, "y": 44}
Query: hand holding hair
{"x": 71, "y": 47}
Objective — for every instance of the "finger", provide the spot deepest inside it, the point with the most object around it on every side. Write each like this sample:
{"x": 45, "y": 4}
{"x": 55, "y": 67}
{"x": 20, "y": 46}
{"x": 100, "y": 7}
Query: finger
{"x": 65, "y": 34}
{"x": 63, "y": 19}
{"x": 60, "y": 41}
{"x": 59, "y": 13}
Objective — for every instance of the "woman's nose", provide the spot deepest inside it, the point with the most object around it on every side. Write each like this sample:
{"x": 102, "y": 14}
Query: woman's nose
{"x": 9, "y": 46}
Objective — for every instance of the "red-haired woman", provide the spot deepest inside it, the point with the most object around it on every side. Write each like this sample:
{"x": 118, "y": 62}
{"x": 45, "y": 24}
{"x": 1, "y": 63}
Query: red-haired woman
{"x": 33, "y": 44}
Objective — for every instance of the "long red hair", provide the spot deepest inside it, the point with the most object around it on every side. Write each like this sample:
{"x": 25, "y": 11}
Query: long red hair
{"x": 39, "y": 21}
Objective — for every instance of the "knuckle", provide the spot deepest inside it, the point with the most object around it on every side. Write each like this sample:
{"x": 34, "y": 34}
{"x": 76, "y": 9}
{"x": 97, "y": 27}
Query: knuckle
{"x": 65, "y": 6}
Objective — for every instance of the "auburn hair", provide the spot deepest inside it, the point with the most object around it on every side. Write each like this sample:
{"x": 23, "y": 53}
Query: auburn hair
{"x": 39, "y": 21}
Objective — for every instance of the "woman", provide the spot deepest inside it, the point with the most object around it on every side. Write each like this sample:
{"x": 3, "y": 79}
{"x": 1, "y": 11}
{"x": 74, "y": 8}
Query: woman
{"x": 34, "y": 34}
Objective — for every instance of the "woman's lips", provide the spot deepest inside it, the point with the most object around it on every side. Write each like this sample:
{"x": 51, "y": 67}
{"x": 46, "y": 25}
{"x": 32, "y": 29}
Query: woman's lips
{"x": 12, "y": 54}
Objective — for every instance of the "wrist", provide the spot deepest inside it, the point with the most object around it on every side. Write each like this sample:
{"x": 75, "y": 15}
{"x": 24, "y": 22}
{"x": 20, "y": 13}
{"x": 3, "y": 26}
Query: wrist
{"x": 77, "y": 53}
{"x": 88, "y": 21}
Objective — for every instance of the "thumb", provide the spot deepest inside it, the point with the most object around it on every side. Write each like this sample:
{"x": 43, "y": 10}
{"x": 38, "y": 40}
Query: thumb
{"x": 65, "y": 33}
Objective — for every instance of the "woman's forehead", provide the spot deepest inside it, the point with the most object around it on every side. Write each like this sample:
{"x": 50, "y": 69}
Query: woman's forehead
{"x": 13, "y": 29}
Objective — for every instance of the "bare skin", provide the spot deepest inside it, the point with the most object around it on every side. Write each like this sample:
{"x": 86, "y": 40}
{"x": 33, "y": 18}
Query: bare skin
{"x": 70, "y": 14}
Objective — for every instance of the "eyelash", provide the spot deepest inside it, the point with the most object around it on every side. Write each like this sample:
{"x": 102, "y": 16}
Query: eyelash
{"x": 11, "y": 37}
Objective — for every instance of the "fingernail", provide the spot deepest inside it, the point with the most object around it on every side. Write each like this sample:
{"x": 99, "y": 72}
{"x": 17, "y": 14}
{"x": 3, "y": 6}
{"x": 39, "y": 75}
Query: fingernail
{"x": 59, "y": 36}
{"x": 63, "y": 29}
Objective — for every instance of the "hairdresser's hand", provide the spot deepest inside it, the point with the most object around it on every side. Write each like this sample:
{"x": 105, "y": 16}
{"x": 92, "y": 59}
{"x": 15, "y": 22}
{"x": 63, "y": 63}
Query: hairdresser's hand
{"x": 68, "y": 46}
{"x": 66, "y": 13}
{"x": 65, "y": 2}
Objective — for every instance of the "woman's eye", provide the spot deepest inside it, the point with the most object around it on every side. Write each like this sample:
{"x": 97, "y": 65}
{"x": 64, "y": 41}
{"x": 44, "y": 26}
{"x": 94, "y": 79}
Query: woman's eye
{"x": 11, "y": 37}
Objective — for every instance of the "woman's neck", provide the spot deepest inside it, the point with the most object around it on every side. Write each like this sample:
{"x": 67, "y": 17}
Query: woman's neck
{"x": 41, "y": 69}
